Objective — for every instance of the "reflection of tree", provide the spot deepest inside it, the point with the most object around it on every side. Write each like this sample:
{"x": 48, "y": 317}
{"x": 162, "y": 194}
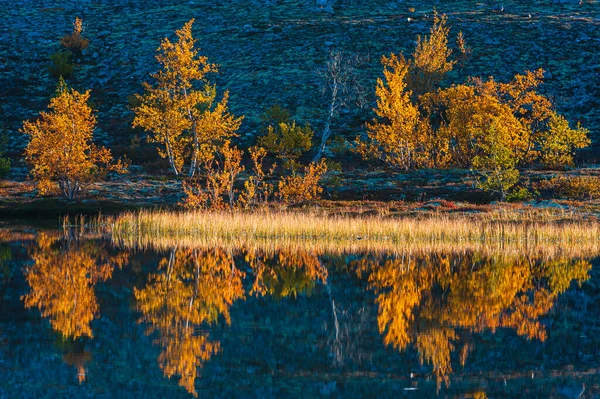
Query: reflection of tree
{"x": 193, "y": 288}
{"x": 431, "y": 301}
{"x": 285, "y": 273}
{"x": 78, "y": 359}
{"x": 197, "y": 287}
{"x": 62, "y": 280}
{"x": 5, "y": 272}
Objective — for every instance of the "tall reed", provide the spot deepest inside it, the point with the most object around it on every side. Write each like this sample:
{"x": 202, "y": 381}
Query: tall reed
{"x": 348, "y": 234}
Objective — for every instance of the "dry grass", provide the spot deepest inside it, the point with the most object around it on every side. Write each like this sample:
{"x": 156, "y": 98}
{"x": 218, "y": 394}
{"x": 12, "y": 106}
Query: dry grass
{"x": 552, "y": 233}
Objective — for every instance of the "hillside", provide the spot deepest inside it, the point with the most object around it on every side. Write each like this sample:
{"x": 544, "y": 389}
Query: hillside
{"x": 271, "y": 52}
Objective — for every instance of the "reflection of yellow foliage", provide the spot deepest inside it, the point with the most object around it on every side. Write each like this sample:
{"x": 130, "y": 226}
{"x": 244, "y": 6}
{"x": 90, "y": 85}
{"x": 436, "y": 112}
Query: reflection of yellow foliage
{"x": 62, "y": 284}
{"x": 194, "y": 288}
{"x": 525, "y": 313}
{"x": 435, "y": 347}
{"x": 183, "y": 354}
{"x": 288, "y": 273}
{"x": 428, "y": 300}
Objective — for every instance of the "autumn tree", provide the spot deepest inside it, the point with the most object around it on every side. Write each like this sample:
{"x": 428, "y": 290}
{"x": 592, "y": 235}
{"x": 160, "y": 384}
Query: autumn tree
{"x": 399, "y": 134}
{"x": 61, "y": 150}
{"x": 489, "y": 127}
{"x": 180, "y": 109}
{"x": 481, "y": 132}
{"x": 552, "y": 141}
{"x": 431, "y": 58}
{"x": 558, "y": 143}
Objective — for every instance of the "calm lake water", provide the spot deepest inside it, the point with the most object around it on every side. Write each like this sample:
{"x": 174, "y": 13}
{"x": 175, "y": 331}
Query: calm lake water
{"x": 81, "y": 317}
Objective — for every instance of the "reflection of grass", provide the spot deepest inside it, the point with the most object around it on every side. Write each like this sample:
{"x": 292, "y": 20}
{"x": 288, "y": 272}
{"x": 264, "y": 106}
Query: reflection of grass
{"x": 546, "y": 232}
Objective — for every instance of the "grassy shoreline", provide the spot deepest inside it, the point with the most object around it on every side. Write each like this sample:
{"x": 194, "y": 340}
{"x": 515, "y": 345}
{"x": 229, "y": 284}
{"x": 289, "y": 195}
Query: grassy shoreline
{"x": 552, "y": 232}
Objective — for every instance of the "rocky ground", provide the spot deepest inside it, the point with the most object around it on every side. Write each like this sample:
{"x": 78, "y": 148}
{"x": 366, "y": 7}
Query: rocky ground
{"x": 354, "y": 192}
{"x": 270, "y": 51}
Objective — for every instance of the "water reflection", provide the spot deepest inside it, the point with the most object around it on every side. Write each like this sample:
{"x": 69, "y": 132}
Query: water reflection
{"x": 285, "y": 273}
{"x": 61, "y": 281}
{"x": 195, "y": 288}
{"x": 5, "y": 272}
{"x": 430, "y": 301}
{"x": 192, "y": 288}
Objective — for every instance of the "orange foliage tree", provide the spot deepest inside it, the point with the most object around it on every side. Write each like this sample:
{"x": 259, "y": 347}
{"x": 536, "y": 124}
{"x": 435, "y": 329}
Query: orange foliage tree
{"x": 398, "y": 136}
{"x": 492, "y": 128}
{"x": 180, "y": 109}
{"x": 61, "y": 150}
{"x": 431, "y": 58}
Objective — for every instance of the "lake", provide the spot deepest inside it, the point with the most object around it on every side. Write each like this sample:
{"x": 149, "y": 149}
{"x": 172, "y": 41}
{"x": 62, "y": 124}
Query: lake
{"x": 82, "y": 315}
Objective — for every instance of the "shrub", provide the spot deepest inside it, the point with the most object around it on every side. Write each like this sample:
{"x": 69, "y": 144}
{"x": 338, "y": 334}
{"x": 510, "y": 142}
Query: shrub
{"x": 571, "y": 187}
{"x": 75, "y": 42}
{"x": 4, "y": 161}
{"x": 220, "y": 180}
{"x": 559, "y": 142}
{"x": 297, "y": 188}
{"x": 288, "y": 141}
{"x": 518, "y": 194}
{"x": 61, "y": 66}
{"x": 256, "y": 189}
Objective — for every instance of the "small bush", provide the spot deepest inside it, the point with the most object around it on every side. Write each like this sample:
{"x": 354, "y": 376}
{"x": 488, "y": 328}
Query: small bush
{"x": 571, "y": 187}
{"x": 518, "y": 194}
{"x": 257, "y": 190}
{"x": 559, "y": 143}
{"x": 220, "y": 181}
{"x": 297, "y": 188}
{"x": 288, "y": 141}
{"x": 61, "y": 65}
{"x": 75, "y": 42}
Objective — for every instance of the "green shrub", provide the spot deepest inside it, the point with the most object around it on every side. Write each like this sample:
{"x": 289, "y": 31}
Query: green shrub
{"x": 61, "y": 64}
{"x": 518, "y": 194}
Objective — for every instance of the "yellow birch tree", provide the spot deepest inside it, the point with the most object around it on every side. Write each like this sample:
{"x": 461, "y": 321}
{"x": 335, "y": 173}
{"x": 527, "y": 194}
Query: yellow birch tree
{"x": 180, "y": 108}
{"x": 61, "y": 150}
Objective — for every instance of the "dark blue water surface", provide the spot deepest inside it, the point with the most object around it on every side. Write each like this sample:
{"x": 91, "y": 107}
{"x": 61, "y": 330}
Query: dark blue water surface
{"x": 80, "y": 317}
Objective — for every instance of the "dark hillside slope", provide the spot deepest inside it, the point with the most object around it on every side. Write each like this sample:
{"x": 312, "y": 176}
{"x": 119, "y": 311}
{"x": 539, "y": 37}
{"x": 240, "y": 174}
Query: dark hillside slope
{"x": 270, "y": 51}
